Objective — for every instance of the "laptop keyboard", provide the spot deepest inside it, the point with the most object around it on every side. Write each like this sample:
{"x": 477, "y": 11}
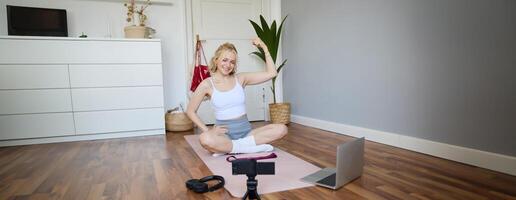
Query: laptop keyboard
{"x": 329, "y": 180}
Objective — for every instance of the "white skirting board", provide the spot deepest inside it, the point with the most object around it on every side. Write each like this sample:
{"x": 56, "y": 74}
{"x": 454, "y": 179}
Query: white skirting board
{"x": 488, "y": 160}
{"x": 81, "y": 137}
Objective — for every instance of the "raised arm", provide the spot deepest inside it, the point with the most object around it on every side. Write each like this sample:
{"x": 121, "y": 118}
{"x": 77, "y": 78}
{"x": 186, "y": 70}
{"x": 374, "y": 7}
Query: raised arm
{"x": 251, "y": 78}
{"x": 196, "y": 99}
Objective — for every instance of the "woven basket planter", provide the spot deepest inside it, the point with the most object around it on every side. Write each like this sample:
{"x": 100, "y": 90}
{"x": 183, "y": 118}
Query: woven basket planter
{"x": 177, "y": 121}
{"x": 279, "y": 113}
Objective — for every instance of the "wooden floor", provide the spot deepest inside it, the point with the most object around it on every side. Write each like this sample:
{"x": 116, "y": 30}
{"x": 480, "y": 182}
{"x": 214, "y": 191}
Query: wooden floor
{"x": 156, "y": 167}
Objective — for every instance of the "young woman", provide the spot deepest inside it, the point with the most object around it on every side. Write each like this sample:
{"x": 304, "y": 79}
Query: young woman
{"x": 232, "y": 132}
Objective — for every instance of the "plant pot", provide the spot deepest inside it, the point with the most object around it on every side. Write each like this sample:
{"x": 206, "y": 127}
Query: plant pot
{"x": 135, "y": 31}
{"x": 279, "y": 113}
{"x": 177, "y": 121}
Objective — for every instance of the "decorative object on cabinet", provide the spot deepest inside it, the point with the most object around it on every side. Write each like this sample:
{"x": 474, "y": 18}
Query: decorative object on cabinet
{"x": 83, "y": 35}
{"x": 140, "y": 30}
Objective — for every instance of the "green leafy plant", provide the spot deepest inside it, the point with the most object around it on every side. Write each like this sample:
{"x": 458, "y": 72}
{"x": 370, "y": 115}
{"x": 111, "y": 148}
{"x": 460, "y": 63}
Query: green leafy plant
{"x": 270, "y": 35}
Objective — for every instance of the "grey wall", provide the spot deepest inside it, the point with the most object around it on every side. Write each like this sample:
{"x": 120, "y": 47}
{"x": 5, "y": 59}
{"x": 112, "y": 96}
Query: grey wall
{"x": 434, "y": 69}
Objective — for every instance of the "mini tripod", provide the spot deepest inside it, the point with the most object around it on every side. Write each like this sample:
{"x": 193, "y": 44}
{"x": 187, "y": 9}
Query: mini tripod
{"x": 252, "y": 186}
{"x": 251, "y": 168}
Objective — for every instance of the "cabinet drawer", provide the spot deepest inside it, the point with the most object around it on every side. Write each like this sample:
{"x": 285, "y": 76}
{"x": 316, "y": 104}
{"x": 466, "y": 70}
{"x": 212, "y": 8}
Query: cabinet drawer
{"x": 33, "y": 76}
{"x": 36, "y": 125}
{"x": 31, "y": 51}
{"x": 119, "y": 120}
{"x": 115, "y": 75}
{"x": 35, "y": 101}
{"x": 85, "y": 99}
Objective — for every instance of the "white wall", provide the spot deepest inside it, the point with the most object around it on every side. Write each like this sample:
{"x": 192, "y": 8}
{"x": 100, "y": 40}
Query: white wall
{"x": 105, "y": 18}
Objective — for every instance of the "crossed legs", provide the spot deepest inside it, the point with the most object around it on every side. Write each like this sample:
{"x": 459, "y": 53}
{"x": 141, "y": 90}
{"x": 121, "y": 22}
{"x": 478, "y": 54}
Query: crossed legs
{"x": 221, "y": 143}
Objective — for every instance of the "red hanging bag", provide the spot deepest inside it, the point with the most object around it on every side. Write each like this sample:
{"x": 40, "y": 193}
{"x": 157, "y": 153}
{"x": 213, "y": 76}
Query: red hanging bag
{"x": 201, "y": 71}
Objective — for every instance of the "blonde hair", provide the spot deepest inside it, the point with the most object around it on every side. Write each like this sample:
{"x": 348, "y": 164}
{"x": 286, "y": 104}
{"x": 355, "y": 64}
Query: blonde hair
{"x": 224, "y": 47}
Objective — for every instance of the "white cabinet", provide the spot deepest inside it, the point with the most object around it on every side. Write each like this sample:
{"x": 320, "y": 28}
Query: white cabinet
{"x": 36, "y": 125}
{"x": 72, "y": 88}
{"x": 35, "y": 101}
{"x": 119, "y": 120}
{"x": 115, "y": 75}
{"x": 85, "y": 99}
{"x": 33, "y": 76}
{"x": 78, "y": 51}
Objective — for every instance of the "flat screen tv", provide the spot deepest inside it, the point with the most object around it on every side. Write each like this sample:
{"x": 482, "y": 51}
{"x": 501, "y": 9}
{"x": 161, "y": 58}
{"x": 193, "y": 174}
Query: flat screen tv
{"x": 36, "y": 21}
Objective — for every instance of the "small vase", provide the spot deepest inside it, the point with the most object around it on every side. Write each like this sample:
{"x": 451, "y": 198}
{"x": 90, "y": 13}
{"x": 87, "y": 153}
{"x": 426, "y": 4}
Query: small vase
{"x": 135, "y": 31}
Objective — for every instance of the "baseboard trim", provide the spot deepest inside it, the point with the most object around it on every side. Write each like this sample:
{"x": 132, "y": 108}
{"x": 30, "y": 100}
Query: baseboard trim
{"x": 72, "y": 138}
{"x": 493, "y": 161}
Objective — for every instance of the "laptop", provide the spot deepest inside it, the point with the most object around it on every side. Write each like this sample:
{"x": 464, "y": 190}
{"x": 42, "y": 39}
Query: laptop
{"x": 350, "y": 162}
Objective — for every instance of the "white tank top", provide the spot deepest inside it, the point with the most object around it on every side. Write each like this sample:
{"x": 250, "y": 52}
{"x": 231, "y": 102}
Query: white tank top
{"x": 229, "y": 104}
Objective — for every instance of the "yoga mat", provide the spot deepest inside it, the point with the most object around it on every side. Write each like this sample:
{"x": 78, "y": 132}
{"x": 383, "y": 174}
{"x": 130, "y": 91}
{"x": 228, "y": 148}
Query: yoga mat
{"x": 289, "y": 170}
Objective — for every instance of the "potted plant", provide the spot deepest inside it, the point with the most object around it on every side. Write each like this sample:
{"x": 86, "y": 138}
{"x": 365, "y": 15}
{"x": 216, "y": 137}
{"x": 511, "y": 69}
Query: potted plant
{"x": 134, "y": 31}
{"x": 270, "y": 35}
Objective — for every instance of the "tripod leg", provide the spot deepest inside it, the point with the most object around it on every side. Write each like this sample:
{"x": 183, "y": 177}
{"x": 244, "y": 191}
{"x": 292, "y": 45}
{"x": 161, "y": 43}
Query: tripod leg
{"x": 253, "y": 194}
{"x": 246, "y": 195}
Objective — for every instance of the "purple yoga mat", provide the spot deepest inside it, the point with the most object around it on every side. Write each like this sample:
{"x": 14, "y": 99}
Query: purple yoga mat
{"x": 289, "y": 170}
